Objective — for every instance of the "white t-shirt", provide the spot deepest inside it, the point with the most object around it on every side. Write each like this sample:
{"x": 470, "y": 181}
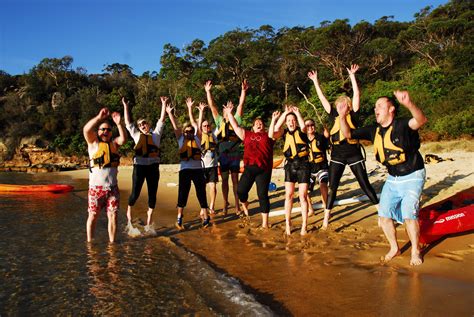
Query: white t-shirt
{"x": 156, "y": 137}
{"x": 106, "y": 177}
{"x": 190, "y": 164}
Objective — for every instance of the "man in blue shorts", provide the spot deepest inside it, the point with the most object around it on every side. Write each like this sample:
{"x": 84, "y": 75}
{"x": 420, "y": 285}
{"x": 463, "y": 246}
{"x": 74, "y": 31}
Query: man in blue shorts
{"x": 396, "y": 145}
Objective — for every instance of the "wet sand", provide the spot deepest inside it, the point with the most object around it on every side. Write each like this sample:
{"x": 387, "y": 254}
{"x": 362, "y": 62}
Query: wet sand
{"x": 332, "y": 272}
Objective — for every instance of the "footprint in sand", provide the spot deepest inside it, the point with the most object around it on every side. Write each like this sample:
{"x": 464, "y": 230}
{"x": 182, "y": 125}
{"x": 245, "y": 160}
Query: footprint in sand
{"x": 462, "y": 252}
{"x": 450, "y": 256}
{"x": 361, "y": 246}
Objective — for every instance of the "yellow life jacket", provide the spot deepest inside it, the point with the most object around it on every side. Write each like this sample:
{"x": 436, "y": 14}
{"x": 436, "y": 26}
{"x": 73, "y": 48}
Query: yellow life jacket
{"x": 336, "y": 133}
{"x": 106, "y": 156}
{"x": 208, "y": 143}
{"x": 190, "y": 150}
{"x": 385, "y": 151}
{"x": 316, "y": 155}
{"x": 145, "y": 146}
{"x": 295, "y": 146}
{"x": 226, "y": 133}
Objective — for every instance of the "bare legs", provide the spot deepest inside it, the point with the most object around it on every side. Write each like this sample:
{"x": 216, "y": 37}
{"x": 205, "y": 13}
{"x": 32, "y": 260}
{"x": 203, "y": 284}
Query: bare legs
{"x": 112, "y": 226}
{"x": 413, "y": 232}
{"x": 225, "y": 190}
{"x": 235, "y": 184}
{"x": 213, "y": 194}
{"x": 90, "y": 226}
{"x": 289, "y": 194}
{"x": 323, "y": 188}
{"x": 92, "y": 221}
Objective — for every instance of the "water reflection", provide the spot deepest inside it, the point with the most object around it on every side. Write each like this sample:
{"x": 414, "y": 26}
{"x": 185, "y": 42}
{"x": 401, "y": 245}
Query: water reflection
{"x": 103, "y": 272}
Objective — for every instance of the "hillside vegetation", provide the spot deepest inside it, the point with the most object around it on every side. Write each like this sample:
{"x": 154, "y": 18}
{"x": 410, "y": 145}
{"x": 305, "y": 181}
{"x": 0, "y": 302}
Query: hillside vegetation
{"x": 431, "y": 56}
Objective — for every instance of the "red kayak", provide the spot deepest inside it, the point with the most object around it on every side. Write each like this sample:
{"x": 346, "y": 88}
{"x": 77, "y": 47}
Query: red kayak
{"x": 451, "y": 215}
{"x": 52, "y": 188}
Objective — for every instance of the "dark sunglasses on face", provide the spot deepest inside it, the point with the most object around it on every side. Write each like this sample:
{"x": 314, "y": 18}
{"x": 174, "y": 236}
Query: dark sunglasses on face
{"x": 142, "y": 123}
{"x": 188, "y": 132}
{"x": 310, "y": 125}
{"x": 105, "y": 129}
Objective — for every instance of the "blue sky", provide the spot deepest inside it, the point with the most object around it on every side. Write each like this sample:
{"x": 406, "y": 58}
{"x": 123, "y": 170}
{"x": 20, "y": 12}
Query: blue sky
{"x": 100, "y": 32}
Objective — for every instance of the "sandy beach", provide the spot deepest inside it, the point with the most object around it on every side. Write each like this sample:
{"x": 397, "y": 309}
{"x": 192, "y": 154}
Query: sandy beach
{"x": 332, "y": 272}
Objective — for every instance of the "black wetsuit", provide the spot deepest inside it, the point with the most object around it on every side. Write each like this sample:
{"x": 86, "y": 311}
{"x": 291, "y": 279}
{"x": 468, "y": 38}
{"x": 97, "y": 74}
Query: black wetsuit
{"x": 342, "y": 154}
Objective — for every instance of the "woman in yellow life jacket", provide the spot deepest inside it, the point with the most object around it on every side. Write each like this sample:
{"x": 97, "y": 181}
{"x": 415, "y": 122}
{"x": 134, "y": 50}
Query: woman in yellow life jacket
{"x": 297, "y": 169}
{"x": 103, "y": 154}
{"x": 318, "y": 162}
{"x": 228, "y": 148}
{"x": 191, "y": 169}
{"x": 146, "y": 162}
{"x": 344, "y": 151}
{"x": 209, "y": 156}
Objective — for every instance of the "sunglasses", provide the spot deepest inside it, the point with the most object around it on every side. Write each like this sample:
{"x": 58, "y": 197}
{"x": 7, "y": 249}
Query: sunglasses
{"x": 105, "y": 129}
{"x": 310, "y": 125}
{"x": 142, "y": 123}
{"x": 188, "y": 132}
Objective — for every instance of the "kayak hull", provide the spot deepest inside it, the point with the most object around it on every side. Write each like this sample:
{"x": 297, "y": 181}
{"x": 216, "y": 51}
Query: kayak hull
{"x": 52, "y": 188}
{"x": 449, "y": 216}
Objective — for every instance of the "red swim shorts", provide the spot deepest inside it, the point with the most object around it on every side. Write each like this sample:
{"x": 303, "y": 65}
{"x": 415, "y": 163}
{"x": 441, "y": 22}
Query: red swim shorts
{"x": 100, "y": 197}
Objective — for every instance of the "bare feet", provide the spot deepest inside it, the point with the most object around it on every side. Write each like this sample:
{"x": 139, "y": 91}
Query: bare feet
{"x": 390, "y": 255}
{"x": 327, "y": 215}
{"x": 416, "y": 259}
{"x": 310, "y": 211}
{"x": 288, "y": 230}
{"x": 303, "y": 232}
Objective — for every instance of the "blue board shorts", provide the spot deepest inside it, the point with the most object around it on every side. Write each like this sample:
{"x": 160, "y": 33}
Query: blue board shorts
{"x": 400, "y": 198}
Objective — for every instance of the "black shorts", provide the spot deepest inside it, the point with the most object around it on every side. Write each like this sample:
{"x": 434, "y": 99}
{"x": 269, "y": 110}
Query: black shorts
{"x": 211, "y": 175}
{"x": 297, "y": 171}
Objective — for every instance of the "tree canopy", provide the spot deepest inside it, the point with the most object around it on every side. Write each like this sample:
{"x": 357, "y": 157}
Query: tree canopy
{"x": 431, "y": 56}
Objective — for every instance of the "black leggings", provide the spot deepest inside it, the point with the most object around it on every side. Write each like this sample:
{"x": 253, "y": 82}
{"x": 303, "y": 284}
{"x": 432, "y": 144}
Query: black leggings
{"x": 254, "y": 174}
{"x": 152, "y": 175}
{"x": 185, "y": 178}
{"x": 358, "y": 169}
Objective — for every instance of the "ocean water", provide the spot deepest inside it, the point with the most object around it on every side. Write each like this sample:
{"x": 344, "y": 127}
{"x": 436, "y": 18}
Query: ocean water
{"x": 47, "y": 268}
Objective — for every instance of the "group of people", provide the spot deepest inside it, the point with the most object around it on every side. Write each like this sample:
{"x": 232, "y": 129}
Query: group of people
{"x": 204, "y": 151}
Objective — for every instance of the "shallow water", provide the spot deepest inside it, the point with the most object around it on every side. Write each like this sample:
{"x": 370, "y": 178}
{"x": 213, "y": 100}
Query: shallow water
{"x": 46, "y": 266}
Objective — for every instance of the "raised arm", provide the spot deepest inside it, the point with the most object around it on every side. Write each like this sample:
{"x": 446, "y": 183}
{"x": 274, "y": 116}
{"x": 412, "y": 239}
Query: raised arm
{"x": 122, "y": 138}
{"x": 343, "y": 110}
{"x": 278, "y": 131}
{"x": 355, "y": 88}
{"x": 169, "y": 111}
{"x": 237, "y": 129}
{"x": 418, "y": 118}
{"x": 313, "y": 75}
{"x": 126, "y": 111}
{"x": 164, "y": 101}
{"x": 210, "y": 100}
{"x": 325, "y": 132}
{"x": 297, "y": 112}
{"x": 189, "y": 104}
{"x": 271, "y": 129}
{"x": 89, "y": 129}
{"x": 243, "y": 94}
{"x": 201, "y": 108}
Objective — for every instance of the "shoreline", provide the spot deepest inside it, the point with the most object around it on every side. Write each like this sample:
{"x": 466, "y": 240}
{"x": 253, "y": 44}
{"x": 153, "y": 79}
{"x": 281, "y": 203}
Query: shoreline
{"x": 326, "y": 272}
